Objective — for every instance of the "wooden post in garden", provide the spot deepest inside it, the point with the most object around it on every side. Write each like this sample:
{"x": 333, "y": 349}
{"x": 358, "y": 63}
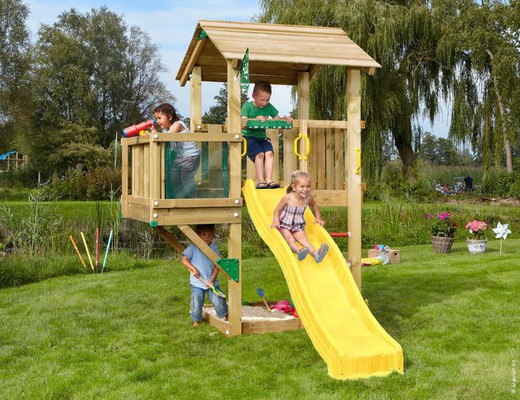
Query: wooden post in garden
{"x": 235, "y": 183}
{"x": 353, "y": 170}
{"x": 195, "y": 98}
{"x": 303, "y": 116}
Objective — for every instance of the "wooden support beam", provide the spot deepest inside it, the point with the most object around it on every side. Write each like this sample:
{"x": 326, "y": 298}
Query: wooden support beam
{"x": 235, "y": 186}
{"x": 353, "y": 171}
{"x": 313, "y": 69}
{"x": 195, "y": 97}
{"x": 124, "y": 174}
{"x": 202, "y": 246}
{"x": 193, "y": 59}
{"x": 371, "y": 71}
{"x": 303, "y": 115}
{"x": 154, "y": 177}
{"x": 235, "y": 288}
{"x": 170, "y": 239}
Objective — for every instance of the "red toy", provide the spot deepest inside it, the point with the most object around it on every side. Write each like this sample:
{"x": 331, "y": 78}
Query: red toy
{"x": 135, "y": 129}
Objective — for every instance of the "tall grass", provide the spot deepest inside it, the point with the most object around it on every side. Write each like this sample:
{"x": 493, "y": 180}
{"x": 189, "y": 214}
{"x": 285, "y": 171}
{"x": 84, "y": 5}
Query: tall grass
{"x": 42, "y": 229}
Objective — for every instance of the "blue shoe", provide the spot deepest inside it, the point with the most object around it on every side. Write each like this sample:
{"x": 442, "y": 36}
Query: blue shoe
{"x": 321, "y": 253}
{"x": 302, "y": 253}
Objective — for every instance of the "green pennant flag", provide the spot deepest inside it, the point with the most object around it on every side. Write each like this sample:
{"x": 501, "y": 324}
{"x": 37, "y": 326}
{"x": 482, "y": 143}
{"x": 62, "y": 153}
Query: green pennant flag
{"x": 244, "y": 71}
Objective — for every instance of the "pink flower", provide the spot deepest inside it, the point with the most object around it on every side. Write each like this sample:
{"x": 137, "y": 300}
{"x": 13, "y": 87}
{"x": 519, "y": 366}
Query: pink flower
{"x": 476, "y": 228}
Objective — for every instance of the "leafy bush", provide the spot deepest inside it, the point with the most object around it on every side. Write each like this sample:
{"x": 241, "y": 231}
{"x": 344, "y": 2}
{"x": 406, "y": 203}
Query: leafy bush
{"x": 26, "y": 177}
{"x": 499, "y": 184}
{"x": 514, "y": 189}
{"x": 79, "y": 184}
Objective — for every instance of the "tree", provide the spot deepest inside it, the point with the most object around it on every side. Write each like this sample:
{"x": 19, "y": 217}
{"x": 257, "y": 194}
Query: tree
{"x": 92, "y": 71}
{"x": 217, "y": 114}
{"x": 403, "y": 38}
{"x": 487, "y": 37}
{"x": 15, "y": 97}
{"x": 65, "y": 146}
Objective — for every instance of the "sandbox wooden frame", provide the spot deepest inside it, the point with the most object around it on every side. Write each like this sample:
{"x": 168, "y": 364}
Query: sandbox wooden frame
{"x": 280, "y": 54}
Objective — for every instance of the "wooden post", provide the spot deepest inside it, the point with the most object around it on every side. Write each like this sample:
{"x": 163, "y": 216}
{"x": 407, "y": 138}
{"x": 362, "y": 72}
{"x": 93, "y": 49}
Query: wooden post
{"x": 303, "y": 116}
{"x": 155, "y": 176}
{"x": 195, "y": 98}
{"x": 275, "y": 141}
{"x": 124, "y": 174}
{"x": 354, "y": 192}
{"x": 235, "y": 186}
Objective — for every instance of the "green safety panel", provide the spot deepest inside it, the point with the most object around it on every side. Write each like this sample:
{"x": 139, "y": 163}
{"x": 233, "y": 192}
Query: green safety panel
{"x": 225, "y": 168}
{"x": 269, "y": 124}
{"x": 169, "y": 157}
{"x": 230, "y": 265}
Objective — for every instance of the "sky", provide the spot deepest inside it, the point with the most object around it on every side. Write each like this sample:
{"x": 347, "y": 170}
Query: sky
{"x": 171, "y": 24}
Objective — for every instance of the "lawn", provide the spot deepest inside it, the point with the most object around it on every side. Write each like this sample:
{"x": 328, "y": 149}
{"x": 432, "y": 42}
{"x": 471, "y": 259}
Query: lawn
{"x": 127, "y": 334}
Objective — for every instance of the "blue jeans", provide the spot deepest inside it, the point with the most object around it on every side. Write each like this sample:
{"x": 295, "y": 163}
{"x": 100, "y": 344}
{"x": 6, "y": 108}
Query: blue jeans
{"x": 197, "y": 302}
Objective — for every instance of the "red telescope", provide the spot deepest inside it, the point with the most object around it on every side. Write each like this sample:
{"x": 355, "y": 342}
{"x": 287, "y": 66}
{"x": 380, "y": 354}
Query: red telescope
{"x": 135, "y": 129}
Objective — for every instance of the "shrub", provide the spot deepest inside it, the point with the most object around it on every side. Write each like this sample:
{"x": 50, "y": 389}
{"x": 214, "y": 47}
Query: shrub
{"x": 78, "y": 184}
{"x": 499, "y": 184}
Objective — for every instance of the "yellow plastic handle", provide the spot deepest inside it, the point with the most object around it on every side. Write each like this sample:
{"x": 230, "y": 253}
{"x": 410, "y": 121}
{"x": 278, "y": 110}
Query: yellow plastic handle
{"x": 358, "y": 152}
{"x": 307, "y": 146}
{"x": 245, "y": 147}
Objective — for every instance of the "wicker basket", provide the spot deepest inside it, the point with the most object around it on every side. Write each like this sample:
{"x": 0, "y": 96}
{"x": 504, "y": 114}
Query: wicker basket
{"x": 442, "y": 244}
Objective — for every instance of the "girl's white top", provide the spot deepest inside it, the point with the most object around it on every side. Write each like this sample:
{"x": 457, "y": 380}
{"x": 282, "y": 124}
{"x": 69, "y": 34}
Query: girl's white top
{"x": 185, "y": 149}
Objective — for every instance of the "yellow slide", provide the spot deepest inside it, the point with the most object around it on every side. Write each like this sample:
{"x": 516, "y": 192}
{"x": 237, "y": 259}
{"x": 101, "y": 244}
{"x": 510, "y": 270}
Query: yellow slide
{"x": 339, "y": 323}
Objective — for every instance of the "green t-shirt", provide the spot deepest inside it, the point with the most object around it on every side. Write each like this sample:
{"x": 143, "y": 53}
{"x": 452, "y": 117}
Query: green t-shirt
{"x": 249, "y": 110}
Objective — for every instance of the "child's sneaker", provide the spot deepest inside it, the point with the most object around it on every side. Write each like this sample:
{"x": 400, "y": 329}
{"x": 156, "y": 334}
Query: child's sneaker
{"x": 302, "y": 253}
{"x": 321, "y": 253}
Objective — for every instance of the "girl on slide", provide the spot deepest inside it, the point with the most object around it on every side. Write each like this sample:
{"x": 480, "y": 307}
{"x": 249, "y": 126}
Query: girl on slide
{"x": 288, "y": 217}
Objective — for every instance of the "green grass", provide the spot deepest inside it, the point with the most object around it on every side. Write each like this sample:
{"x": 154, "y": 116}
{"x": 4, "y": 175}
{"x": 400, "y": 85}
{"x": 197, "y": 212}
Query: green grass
{"x": 127, "y": 334}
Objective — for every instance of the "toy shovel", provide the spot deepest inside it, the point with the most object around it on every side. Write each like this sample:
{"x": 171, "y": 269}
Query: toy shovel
{"x": 261, "y": 293}
{"x": 213, "y": 288}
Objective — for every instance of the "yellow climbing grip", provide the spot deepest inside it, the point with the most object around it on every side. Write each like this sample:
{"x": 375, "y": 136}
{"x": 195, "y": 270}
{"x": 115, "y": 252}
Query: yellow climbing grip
{"x": 307, "y": 146}
{"x": 245, "y": 147}
{"x": 358, "y": 152}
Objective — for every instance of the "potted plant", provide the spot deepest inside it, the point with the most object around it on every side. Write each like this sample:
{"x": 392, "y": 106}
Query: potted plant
{"x": 477, "y": 243}
{"x": 443, "y": 229}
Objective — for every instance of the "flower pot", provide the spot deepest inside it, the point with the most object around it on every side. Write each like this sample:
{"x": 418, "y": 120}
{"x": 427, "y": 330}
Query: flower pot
{"x": 442, "y": 244}
{"x": 476, "y": 246}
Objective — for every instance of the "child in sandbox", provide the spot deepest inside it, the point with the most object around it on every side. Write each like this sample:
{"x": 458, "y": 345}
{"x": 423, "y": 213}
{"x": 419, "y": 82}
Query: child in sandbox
{"x": 259, "y": 147}
{"x": 201, "y": 266}
{"x": 289, "y": 217}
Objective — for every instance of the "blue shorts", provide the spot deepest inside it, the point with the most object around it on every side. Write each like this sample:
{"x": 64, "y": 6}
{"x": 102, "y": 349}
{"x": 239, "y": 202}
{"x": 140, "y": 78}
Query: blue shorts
{"x": 256, "y": 146}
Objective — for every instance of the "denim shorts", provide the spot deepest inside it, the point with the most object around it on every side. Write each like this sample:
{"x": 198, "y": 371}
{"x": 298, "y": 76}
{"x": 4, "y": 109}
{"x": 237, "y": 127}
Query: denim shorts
{"x": 197, "y": 303}
{"x": 256, "y": 146}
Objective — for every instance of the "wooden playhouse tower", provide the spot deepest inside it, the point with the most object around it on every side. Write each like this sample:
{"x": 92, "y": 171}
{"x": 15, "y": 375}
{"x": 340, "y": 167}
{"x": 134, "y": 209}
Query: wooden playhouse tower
{"x": 329, "y": 150}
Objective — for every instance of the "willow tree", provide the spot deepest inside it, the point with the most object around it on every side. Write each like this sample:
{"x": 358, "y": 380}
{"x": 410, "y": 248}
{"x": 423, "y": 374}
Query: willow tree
{"x": 404, "y": 38}
{"x": 486, "y": 95}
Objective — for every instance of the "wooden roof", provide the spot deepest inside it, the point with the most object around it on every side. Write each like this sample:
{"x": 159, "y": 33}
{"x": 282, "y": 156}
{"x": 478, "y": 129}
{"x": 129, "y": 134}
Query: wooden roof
{"x": 277, "y": 53}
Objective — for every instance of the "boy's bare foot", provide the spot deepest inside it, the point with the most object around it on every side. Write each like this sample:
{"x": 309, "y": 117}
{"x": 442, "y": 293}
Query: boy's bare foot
{"x": 195, "y": 323}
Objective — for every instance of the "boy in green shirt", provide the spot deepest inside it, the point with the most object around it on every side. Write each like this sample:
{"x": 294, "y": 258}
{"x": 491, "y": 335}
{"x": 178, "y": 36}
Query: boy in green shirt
{"x": 259, "y": 147}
